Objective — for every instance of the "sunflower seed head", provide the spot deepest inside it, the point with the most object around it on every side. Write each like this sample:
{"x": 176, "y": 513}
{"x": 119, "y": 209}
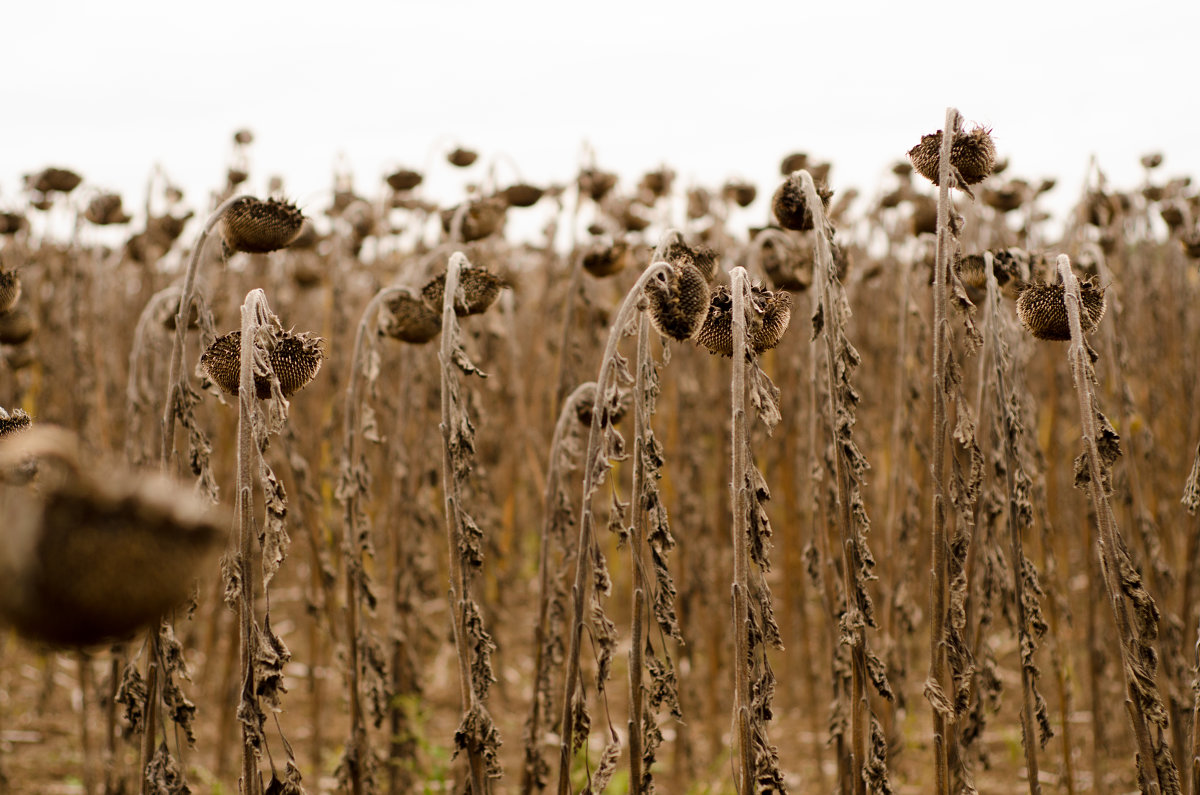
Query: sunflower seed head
{"x": 972, "y": 153}
{"x": 482, "y": 218}
{"x": 87, "y": 559}
{"x": 679, "y": 301}
{"x": 57, "y": 179}
{"x": 10, "y": 289}
{"x": 16, "y": 325}
{"x": 14, "y": 422}
{"x": 522, "y": 194}
{"x": 1042, "y": 309}
{"x": 404, "y": 179}
{"x": 480, "y": 289}
{"x": 106, "y": 209}
{"x": 605, "y": 260}
{"x": 462, "y": 158}
{"x": 295, "y": 358}
{"x": 767, "y": 317}
{"x": 410, "y": 319}
{"x": 791, "y": 207}
{"x": 257, "y": 227}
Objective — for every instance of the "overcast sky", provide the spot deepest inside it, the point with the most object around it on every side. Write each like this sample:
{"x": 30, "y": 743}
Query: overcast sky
{"x": 111, "y": 88}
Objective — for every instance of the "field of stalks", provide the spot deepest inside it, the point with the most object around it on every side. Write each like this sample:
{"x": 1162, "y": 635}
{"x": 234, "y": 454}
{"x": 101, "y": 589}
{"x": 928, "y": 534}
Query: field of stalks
{"x": 697, "y": 489}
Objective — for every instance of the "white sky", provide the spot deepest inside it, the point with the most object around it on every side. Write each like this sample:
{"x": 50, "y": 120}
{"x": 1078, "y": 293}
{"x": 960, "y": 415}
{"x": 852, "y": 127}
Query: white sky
{"x": 714, "y": 90}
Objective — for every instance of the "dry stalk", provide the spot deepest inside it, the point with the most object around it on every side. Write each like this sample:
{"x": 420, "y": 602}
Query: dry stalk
{"x": 1156, "y": 769}
{"x": 476, "y": 734}
{"x": 604, "y": 446}
{"x": 938, "y": 683}
{"x": 868, "y": 765}
{"x": 263, "y": 653}
{"x": 564, "y": 450}
{"x": 754, "y": 627}
{"x": 177, "y": 378}
{"x": 354, "y": 482}
{"x": 1028, "y": 619}
{"x": 741, "y": 540}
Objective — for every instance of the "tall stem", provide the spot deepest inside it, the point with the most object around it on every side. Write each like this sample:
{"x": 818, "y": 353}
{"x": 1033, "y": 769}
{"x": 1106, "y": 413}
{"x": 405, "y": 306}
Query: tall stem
{"x": 583, "y": 558}
{"x": 177, "y": 375}
{"x": 459, "y": 576}
{"x": 351, "y": 430}
{"x": 823, "y": 277}
{"x": 940, "y": 547}
{"x": 1108, "y": 537}
{"x": 739, "y": 284}
{"x": 253, "y": 310}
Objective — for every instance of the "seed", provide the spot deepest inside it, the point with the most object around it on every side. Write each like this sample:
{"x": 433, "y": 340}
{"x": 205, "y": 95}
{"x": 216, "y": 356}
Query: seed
{"x": 480, "y": 288}
{"x": 404, "y": 179}
{"x": 1042, "y": 309}
{"x": 791, "y": 207}
{"x": 257, "y": 227}
{"x": 462, "y": 157}
{"x": 60, "y": 179}
{"x": 13, "y": 423}
{"x": 98, "y": 553}
{"x": 972, "y": 153}
{"x": 522, "y": 194}
{"x": 16, "y": 325}
{"x": 105, "y": 210}
{"x": 768, "y": 316}
{"x": 410, "y": 319}
{"x": 10, "y": 289}
{"x": 605, "y": 260}
{"x": 482, "y": 218}
{"x": 678, "y": 301}
{"x": 295, "y": 358}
